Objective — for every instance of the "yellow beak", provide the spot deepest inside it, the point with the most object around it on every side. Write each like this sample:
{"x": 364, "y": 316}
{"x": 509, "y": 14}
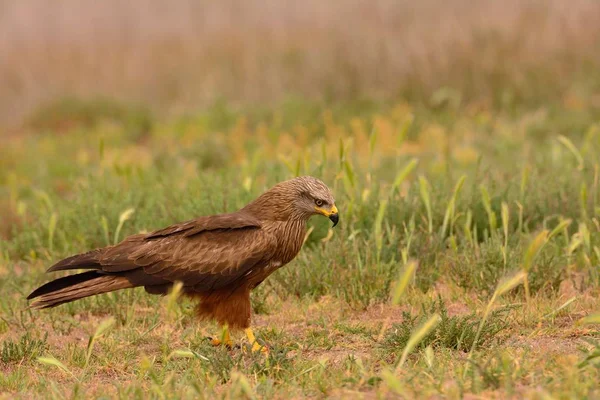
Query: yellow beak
{"x": 332, "y": 214}
{"x": 325, "y": 212}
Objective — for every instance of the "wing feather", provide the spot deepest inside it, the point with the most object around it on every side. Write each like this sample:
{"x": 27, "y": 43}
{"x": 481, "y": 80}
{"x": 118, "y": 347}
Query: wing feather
{"x": 209, "y": 254}
{"x": 234, "y": 220}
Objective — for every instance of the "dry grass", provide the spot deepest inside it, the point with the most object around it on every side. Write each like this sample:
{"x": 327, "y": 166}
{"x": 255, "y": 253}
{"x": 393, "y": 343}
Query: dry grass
{"x": 188, "y": 54}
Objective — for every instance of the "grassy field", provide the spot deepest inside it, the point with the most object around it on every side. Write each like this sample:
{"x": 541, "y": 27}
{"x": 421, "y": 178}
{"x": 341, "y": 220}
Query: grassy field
{"x": 466, "y": 263}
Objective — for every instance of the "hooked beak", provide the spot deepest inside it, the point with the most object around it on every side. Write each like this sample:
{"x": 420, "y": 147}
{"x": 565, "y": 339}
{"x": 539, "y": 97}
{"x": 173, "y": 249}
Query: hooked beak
{"x": 331, "y": 214}
{"x": 335, "y": 219}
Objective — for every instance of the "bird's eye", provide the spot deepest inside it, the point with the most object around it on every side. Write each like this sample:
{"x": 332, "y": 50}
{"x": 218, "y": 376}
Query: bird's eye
{"x": 319, "y": 203}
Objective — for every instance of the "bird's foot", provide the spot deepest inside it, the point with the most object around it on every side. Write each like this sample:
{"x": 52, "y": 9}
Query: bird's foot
{"x": 219, "y": 342}
{"x": 225, "y": 339}
{"x": 256, "y": 347}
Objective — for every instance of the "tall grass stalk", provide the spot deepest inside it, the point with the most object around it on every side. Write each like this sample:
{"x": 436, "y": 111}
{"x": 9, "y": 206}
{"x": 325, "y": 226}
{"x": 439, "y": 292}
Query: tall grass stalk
{"x": 561, "y": 307}
{"x": 102, "y": 328}
{"x": 504, "y": 286}
{"x": 416, "y": 337}
{"x": 405, "y": 276}
{"x": 51, "y": 231}
{"x": 467, "y": 231}
{"x": 565, "y": 141}
{"x": 562, "y": 225}
{"x": 487, "y": 204}
{"x": 378, "y": 228}
{"x": 403, "y": 174}
{"x": 523, "y": 185}
{"x": 450, "y": 209}
{"x": 409, "y": 232}
{"x": 123, "y": 217}
{"x": 532, "y": 251}
{"x": 173, "y": 296}
{"x": 505, "y": 217}
{"x": 105, "y": 229}
{"x": 372, "y": 143}
{"x": 425, "y": 196}
{"x": 52, "y": 361}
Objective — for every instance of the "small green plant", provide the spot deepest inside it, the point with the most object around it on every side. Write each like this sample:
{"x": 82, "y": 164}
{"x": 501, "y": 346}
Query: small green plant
{"x": 24, "y": 349}
{"x": 456, "y": 332}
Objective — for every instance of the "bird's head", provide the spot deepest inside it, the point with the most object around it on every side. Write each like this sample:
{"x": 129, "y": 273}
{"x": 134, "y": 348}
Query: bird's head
{"x": 299, "y": 198}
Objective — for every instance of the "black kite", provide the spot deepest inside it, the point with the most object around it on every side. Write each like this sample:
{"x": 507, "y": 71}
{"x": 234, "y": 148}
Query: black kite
{"x": 218, "y": 258}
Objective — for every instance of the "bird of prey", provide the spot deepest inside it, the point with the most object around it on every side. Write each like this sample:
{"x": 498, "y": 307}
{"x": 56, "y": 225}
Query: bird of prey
{"x": 218, "y": 259}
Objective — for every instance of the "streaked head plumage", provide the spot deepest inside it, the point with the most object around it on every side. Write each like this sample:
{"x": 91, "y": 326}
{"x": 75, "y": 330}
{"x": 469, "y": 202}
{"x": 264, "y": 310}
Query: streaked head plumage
{"x": 300, "y": 197}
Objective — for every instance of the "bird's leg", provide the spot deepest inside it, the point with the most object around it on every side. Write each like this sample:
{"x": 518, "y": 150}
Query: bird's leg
{"x": 252, "y": 339}
{"x": 224, "y": 340}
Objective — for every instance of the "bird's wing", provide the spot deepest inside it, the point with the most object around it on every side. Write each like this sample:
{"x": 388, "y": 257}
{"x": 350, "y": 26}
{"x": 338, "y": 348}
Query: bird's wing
{"x": 207, "y": 253}
{"x": 234, "y": 220}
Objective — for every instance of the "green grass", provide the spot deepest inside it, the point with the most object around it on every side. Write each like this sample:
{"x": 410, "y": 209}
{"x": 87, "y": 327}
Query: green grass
{"x": 471, "y": 195}
{"x": 457, "y": 332}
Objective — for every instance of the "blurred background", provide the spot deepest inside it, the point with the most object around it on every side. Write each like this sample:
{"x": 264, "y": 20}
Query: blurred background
{"x": 180, "y": 55}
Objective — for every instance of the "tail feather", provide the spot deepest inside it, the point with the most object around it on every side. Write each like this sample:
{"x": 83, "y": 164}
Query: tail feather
{"x": 62, "y": 283}
{"x": 80, "y": 261}
{"x": 74, "y": 287}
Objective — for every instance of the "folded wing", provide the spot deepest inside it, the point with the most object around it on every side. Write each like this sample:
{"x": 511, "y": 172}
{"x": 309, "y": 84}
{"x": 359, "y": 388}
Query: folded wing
{"x": 205, "y": 254}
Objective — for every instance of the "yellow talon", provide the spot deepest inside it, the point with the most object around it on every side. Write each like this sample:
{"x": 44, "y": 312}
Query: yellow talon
{"x": 255, "y": 345}
{"x": 225, "y": 339}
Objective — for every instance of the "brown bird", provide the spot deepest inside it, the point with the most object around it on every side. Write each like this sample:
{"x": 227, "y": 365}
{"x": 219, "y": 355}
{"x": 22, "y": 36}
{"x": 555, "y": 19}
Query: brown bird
{"x": 218, "y": 259}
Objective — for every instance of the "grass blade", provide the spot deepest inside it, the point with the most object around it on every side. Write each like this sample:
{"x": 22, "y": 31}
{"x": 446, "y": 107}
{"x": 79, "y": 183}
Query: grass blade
{"x": 487, "y": 204}
{"x": 559, "y": 228}
{"x": 55, "y": 363}
{"x": 565, "y": 141}
{"x": 350, "y": 173}
{"x": 104, "y": 326}
{"x": 378, "y": 228}
{"x": 449, "y": 215}
{"x": 563, "y": 306}
{"x": 505, "y": 216}
{"x": 186, "y": 354}
{"x": 123, "y": 217}
{"x": 504, "y": 286}
{"x": 534, "y": 249}
{"x": 403, "y": 174}
{"x": 417, "y": 336}
{"x": 104, "y": 223}
{"x": 173, "y": 296}
{"x": 424, "y": 190}
{"x": 590, "y": 319}
{"x": 51, "y": 231}
{"x": 405, "y": 276}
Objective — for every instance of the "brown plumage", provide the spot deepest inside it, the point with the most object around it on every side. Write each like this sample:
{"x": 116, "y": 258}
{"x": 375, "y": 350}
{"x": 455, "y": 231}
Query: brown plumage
{"x": 219, "y": 259}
